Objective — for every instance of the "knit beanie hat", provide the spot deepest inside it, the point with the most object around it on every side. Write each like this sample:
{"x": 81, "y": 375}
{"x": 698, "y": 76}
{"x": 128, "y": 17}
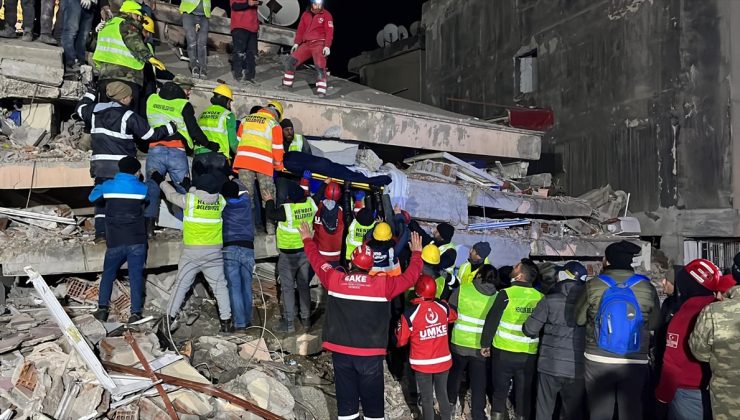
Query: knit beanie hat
{"x": 118, "y": 90}
{"x": 445, "y": 231}
{"x": 364, "y": 216}
{"x": 483, "y": 249}
{"x": 296, "y": 193}
{"x": 129, "y": 165}
{"x": 619, "y": 255}
{"x": 230, "y": 189}
{"x": 286, "y": 123}
{"x": 208, "y": 183}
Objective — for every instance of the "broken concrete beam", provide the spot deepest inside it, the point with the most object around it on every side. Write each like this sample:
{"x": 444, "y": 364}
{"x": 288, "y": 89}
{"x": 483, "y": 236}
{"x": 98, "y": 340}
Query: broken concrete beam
{"x": 35, "y": 53}
{"x": 436, "y": 201}
{"x": 32, "y": 72}
{"x": 339, "y": 152}
{"x": 266, "y": 391}
{"x": 529, "y": 204}
{"x": 44, "y": 174}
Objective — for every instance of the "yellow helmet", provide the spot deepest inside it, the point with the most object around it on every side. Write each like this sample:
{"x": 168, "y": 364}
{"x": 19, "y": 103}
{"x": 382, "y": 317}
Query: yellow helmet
{"x": 382, "y": 232}
{"x": 224, "y": 90}
{"x": 278, "y": 107}
{"x": 430, "y": 254}
{"x": 130, "y": 6}
{"x": 148, "y": 24}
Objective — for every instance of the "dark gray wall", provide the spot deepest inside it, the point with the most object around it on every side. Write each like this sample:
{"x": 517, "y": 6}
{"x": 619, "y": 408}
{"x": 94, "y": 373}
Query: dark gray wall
{"x": 640, "y": 91}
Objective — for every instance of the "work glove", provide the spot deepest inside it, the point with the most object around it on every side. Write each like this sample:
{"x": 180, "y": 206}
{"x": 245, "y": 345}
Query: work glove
{"x": 105, "y": 13}
{"x": 100, "y": 26}
{"x": 156, "y": 177}
{"x": 307, "y": 174}
{"x": 186, "y": 183}
{"x": 326, "y": 51}
{"x": 294, "y": 48}
{"x": 156, "y": 63}
{"x": 86, "y": 4}
{"x": 213, "y": 146}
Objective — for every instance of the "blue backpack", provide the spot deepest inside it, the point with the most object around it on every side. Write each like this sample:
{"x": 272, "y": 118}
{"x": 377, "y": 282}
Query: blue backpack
{"x": 619, "y": 318}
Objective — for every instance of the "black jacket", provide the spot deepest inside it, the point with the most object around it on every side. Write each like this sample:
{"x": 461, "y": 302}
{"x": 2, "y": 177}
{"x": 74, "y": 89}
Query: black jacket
{"x": 114, "y": 130}
{"x": 563, "y": 342}
{"x": 171, "y": 90}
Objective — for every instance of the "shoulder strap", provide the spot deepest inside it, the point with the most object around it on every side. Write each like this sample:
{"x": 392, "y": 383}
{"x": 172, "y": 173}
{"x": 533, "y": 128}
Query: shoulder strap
{"x": 607, "y": 280}
{"x": 636, "y": 278}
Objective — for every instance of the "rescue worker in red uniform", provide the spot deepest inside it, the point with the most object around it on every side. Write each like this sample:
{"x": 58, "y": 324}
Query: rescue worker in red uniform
{"x": 357, "y": 324}
{"x": 312, "y": 39}
{"x": 425, "y": 324}
{"x": 328, "y": 225}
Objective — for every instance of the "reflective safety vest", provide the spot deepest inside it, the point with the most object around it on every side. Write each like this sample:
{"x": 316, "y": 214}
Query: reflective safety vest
{"x": 255, "y": 146}
{"x": 201, "y": 221}
{"x": 355, "y": 235}
{"x": 464, "y": 273}
{"x": 187, "y": 6}
{"x": 161, "y": 111}
{"x": 509, "y": 335}
{"x": 111, "y": 48}
{"x": 297, "y": 144}
{"x": 472, "y": 308}
{"x": 213, "y": 123}
{"x": 442, "y": 250}
{"x": 440, "y": 281}
{"x": 288, "y": 236}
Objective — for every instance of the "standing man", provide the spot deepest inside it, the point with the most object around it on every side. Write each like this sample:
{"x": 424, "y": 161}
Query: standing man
{"x": 441, "y": 237}
{"x": 195, "y": 15}
{"x": 514, "y": 354}
{"x": 115, "y": 132}
{"x": 617, "y": 374}
{"x": 244, "y": 28}
{"x": 11, "y": 19}
{"x": 123, "y": 197}
{"x": 260, "y": 152}
{"x": 219, "y": 125}
{"x": 476, "y": 258}
{"x": 312, "y": 39}
{"x": 77, "y": 18}
{"x": 202, "y": 237}
{"x": 357, "y": 321}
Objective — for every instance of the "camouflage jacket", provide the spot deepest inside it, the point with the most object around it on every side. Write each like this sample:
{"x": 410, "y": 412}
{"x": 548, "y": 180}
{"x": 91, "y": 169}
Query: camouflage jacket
{"x": 132, "y": 37}
{"x": 716, "y": 339}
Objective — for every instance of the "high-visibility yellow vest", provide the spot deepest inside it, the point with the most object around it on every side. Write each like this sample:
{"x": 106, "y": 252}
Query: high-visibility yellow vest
{"x": 472, "y": 308}
{"x": 297, "y": 144}
{"x": 111, "y": 48}
{"x": 187, "y": 6}
{"x": 442, "y": 249}
{"x": 201, "y": 221}
{"x": 213, "y": 123}
{"x": 465, "y": 274}
{"x": 355, "y": 235}
{"x": 288, "y": 236}
{"x": 509, "y": 335}
{"x": 161, "y": 111}
{"x": 440, "y": 281}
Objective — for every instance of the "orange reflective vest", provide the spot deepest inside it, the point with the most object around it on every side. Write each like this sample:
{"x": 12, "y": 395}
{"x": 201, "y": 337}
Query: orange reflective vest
{"x": 261, "y": 144}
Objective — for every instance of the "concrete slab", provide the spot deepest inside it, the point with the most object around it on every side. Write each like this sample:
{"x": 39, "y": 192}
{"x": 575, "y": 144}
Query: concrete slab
{"x": 32, "y": 72}
{"x": 437, "y": 201}
{"x": 529, "y": 204}
{"x": 41, "y": 173}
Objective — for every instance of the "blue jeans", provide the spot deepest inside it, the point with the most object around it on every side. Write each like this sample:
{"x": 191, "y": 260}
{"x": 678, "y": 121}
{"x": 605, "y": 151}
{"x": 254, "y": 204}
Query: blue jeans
{"x": 165, "y": 160}
{"x": 238, "y": 267}
{"x": 77, "y": 24}
{"x": 135, "y": 255}
{"x": 690, "y": 404}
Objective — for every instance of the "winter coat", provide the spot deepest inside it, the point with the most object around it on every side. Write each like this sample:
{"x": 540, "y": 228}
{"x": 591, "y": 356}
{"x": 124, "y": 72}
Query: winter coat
{"x": 315, "y": 26}
{"x": 131, "y": 35}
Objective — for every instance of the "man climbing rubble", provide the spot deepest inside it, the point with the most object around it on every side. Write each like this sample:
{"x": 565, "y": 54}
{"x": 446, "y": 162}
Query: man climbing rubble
{"x": 312, "y": 39}
{"x": 357, "y": 323}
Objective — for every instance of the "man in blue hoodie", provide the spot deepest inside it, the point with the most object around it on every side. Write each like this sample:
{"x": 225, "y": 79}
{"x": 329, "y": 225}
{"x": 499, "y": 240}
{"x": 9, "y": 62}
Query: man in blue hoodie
{"x": 124, "y": 197}
{"x": 238, "y": 235}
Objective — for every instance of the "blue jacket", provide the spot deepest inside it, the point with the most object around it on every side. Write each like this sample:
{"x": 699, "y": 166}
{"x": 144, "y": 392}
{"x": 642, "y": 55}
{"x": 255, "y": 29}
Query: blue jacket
{"x": 238, "y": 227}
{"x": 125, "y": 198}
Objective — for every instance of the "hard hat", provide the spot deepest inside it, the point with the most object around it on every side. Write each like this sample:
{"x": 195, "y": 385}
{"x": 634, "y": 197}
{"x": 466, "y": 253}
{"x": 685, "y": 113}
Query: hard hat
{"x": 576, "y": 270}
{"x": 317, "y": 2}
{"x": 130, "y": 6}
{"x": 332, "y": 191}
{"x": 362, "y": 257}
{"x": 382, "y": 232}
{"x": 148, "y": 24}
{"x": 709, "y": 275}
{"x": 224, "y": 90}
{"x": 430, "y": 254}
{"x": 277, "y": 106}
{"x": 426, "y": 287}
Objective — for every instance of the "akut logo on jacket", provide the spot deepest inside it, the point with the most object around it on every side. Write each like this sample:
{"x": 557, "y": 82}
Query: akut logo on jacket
{"x": 434, "y": 329}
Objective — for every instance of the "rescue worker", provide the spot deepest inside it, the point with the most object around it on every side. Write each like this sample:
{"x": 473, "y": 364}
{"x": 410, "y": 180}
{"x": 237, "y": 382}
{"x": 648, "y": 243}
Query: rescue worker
{"x": 425, "y": 324}
{"x": 150, "y": 72}
{"x": 514, "y": 355}
{"x": 123, "y": 198}
{"x": 313, "y": 38}
{"x": 121, "y": 51}
{"x": 328, "y": 224}
{"x": 292, "y": 141}
{"x": 716, "y": 340}
{"x": 560, "y": 363}
{"x": 293, "y": 266}
{"x": 169, "y": 155}
{"x": 472, "y": 302}
{"x": 239, "y": 252}
{"x": 385, "y": 248}
{"x": 441, "y": 237}
{"x": 476, "y": 258}
{"x": 76, "y": 22}
{"x": 115, "y": 132}
{"x": 356, "y": 329}
{"x": 202, "y": 237}
{"x": 195, "y": 17}
{"x": 357, "y": 231}
{"x": 219, "y": 125}
{"x": 244, "y": 26}
{"x": 260, "y": 152}
{"x": 430, "y": 254}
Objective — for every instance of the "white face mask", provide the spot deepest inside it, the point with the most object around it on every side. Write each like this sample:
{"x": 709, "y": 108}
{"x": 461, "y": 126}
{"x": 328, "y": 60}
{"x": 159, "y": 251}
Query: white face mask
{"x": 329, "y": 204}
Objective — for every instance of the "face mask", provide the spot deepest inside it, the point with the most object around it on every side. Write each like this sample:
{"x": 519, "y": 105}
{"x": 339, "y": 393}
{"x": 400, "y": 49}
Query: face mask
{"x": 329, "y": 204}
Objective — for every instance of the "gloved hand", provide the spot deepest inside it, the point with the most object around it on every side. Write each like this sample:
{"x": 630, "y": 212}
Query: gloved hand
{"x": 186, "y": 183}
{"x": 307, "y": 174}
{"x": 293, "y": 48}
{"x": 86, "y": 4}
{"x": 156, "y": 63}
{"x": 156, "y": 177}
{"x": 106, "y": 13}
{"x": 100, "y": 26}
{"x": 326, "y": 51}
{"x": 213, "y": 146}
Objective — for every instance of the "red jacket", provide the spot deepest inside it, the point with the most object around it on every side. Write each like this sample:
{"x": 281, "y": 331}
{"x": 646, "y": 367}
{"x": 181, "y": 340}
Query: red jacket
{"x": 319, "y": 26}
{"x": 680, "y": 368}
{"x": 244, "y": 19}
{"x": 330, "y": 244}
{"x": 426, "y": 324}
{"x": 358, "y": 309}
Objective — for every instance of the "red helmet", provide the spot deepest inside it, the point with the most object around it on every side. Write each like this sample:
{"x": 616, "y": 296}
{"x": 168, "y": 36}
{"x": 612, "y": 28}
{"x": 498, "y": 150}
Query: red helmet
{"x": 704, "y": 272}
{"x": 333, "y": 191}
{"x": 426, "y": 287}
{"x": 362, "y": 257}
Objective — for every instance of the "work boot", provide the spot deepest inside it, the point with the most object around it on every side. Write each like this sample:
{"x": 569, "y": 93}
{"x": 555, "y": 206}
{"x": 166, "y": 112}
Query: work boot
{"x": 27, "y": 37}
{"x": 195, "y": 73}
{"x": 306, "y": 323}
{"x": 226, "y": 327}
{"x": 499, "y": 416}
{"x": 150, "y": 224}
{"x": 7, "y": 32}
{"x": 286, "y": 327}
{"x": 135, "y": 317}
{"x": 241, "y": 330}
{"x": 99, "y": 239}
{"x": 101, "y": 314}
{"x": 47, "y": 39}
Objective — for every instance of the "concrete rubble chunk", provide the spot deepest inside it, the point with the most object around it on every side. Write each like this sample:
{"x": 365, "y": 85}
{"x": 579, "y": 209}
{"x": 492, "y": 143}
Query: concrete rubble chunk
{"x": 117, "y": 350}
{"x": 90, "y": 327}
{"x": 256, "y": 349}
{"x": 26, "y": 135}
{"x": 312, "y": 400}
{"x": 266, "y": 391}
{"x": 149, "y": 410}
{"x": 30, "y": 72}
{"x": 191, "y": 402}
{"x": 303, "y": 344}
{"x": 339, "y": 152}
